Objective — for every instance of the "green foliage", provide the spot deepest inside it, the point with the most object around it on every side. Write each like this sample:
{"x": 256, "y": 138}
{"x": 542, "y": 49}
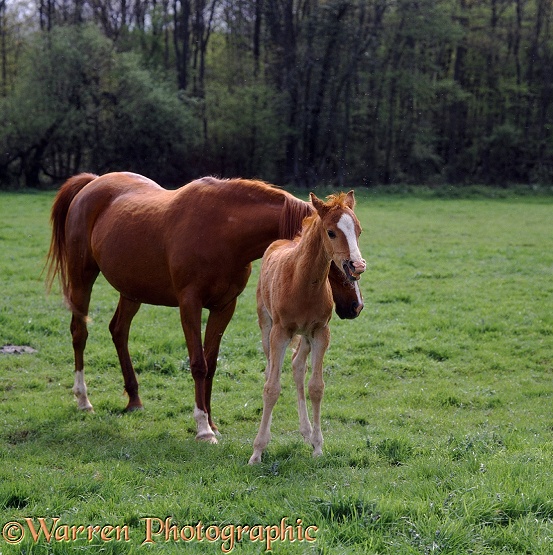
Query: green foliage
{"x": 344, "y": 92}
{"x": 78, "y": 104}
{"x": 245, "y": 135}
{"x": 150, "y": 128}
{"x": 436, "y": 413}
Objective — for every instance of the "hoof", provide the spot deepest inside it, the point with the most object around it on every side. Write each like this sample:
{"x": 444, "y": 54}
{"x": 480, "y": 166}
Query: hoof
{"x": 306, "y": 434}
{"x": 85, "y": 407}
{"x": 208, "y": 438}
{"x": 133, "y": 408}
{"x": 254, "y": 459}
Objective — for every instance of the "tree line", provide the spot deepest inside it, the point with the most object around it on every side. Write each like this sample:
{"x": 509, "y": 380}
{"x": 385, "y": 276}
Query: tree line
{"x": 348, "y": 92}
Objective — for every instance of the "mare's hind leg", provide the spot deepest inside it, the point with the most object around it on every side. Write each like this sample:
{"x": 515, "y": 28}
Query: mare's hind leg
{"x": 119, "y": 327}
{"x": 217, "y": 323}
{"x": 316, "y": 386}
{"x": 79, "y": 301}
{"x": 79, "y": 334}
{"x": 299, "y": 367}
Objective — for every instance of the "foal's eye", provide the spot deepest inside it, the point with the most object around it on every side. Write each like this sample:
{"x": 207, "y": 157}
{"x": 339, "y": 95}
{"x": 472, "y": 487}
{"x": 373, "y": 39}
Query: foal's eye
{"x": 331, "y": 234}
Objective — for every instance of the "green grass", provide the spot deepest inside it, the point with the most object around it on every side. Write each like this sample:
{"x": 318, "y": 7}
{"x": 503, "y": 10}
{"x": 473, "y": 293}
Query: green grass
{"x": 437, "y": 412}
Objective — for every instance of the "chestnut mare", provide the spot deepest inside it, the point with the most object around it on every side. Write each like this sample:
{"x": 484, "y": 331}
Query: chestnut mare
{"x": 294, "y": 298}
{"x": 191, "y": 248}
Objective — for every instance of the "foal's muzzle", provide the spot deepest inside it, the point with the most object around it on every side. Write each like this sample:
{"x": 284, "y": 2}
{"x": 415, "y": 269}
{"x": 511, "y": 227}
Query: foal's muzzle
{"x": 353, "y": 270}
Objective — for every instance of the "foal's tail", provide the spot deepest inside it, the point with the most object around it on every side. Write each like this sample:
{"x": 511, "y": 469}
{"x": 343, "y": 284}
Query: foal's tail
{"x": 57, "y": 255}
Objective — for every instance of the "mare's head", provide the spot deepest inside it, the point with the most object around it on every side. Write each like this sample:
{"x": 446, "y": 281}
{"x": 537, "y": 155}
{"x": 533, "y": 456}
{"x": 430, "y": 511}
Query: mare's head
{"x": 347, "y": 296}
{"x": 341, "y": 230}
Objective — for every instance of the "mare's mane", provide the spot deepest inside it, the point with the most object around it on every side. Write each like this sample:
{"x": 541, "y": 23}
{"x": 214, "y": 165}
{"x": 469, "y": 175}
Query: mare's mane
{"x": 239, "y": 182}
{"x": 293, "y": 217}
{"x": 294, "y": 210}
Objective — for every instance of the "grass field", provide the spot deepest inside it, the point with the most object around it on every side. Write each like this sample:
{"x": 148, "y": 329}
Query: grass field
{"x": 437, "y": 412}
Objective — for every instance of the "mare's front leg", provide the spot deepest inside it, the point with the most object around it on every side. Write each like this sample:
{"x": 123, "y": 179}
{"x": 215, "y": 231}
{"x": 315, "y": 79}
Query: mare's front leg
{"x": 191, "y": 318}
{"x": 299, "y": 367}
{"x": 316, "y": 385}
{"x": 279, "y": 340}
{"x": 217, "y": 323}
{"x": 119, "y": 327}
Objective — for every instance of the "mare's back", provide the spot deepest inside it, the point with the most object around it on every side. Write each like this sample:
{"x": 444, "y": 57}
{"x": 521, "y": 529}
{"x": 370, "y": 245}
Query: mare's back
{"x": 117, "y": 190}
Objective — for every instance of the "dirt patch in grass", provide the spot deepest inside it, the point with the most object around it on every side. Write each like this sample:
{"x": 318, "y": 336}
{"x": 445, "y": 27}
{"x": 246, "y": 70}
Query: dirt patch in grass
{"x": 17, "y": 350}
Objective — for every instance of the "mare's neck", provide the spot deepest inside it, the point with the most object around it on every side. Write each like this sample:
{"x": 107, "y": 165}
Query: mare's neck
{"x": 278, "y": 216}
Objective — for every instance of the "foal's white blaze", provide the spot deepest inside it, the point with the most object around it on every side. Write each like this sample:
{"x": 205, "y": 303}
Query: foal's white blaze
{"x": 347, "y": 226}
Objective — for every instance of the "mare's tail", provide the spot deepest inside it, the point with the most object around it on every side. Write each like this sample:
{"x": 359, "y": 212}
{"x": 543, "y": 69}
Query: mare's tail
{"x": 57, "y": 255}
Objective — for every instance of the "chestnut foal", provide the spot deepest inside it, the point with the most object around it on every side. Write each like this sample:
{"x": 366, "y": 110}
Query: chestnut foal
{"x": 294, "y": 298}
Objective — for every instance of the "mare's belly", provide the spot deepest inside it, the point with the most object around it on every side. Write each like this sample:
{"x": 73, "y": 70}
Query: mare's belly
{"x": 142, "y": 287}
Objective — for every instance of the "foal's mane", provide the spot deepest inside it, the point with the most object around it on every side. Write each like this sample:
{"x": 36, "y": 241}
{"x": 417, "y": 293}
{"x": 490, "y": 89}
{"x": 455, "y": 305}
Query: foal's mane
{"x": 334, "y": 202}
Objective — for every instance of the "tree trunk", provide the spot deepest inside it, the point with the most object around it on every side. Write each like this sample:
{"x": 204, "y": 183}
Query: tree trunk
{"x": 458, "y": 110}
{"x": 257, "y": 36}
{"x": 3, "y": 46}
{"x": 181, "y": 38}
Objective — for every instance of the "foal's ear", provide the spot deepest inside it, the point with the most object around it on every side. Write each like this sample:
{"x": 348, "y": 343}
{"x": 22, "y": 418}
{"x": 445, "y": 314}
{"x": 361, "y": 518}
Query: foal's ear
{"x": 318, "y": 204}
{"x": 350, "y": 199}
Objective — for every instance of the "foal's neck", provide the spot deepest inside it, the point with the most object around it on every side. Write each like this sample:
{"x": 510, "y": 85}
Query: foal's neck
{"x": 311, "y": 254}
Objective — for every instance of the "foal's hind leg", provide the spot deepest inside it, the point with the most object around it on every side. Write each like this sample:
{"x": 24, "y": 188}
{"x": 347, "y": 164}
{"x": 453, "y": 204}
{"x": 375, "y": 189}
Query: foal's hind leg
{"x": 119, "y": 328}
{"x": 316, "y": 386}
{"x": 299, "y": 367}
{"x": 265, "y": 324}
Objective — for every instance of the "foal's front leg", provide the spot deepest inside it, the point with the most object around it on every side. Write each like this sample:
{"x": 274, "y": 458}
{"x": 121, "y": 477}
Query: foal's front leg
{"x": 316, "y": 386}
{"x": 279, "y": 340}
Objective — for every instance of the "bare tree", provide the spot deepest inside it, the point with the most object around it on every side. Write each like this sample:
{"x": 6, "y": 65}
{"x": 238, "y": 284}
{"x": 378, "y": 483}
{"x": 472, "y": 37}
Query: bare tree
{"x": 3, "y": 46}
